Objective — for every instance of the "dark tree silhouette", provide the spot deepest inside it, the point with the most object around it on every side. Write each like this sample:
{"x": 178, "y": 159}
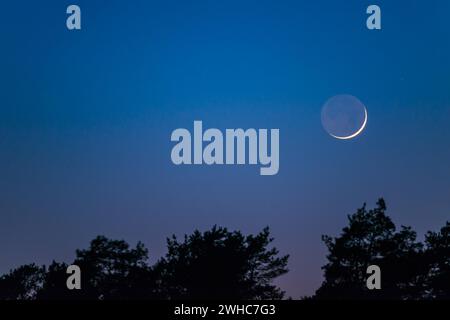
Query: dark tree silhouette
{"x": 371, "y": 238}
{"x": 438, "y": 263}
{"x": 54, "y": 283}
{"x": 22, "y": 283}
{"x": 219, "y": 264}
{"x": 110, "y": 270}
{"x": 113, "y": 270}
{"x": 212, "y": 265}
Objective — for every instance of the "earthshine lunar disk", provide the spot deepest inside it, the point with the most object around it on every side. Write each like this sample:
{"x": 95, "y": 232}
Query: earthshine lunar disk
{"x": 344, "y": 117}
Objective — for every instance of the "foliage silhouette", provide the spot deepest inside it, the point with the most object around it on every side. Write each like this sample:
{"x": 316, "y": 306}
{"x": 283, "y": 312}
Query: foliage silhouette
{"x": 211, "y": 265}
{"x": 110, "y": 270}
{"x": 438, "y": 263}
{"x": 219, "y": 264}
{"x": 410, "y": 270}
{"x": 54, "y": 280}
{"x": 22, "y": 283}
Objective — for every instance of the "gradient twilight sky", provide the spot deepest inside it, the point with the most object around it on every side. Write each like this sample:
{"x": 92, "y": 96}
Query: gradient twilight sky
{"x": 86, "y": 118}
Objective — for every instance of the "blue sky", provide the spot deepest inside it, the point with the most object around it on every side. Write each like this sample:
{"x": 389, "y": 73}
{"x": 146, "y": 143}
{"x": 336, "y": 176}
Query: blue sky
{"x": 86, "y": 118}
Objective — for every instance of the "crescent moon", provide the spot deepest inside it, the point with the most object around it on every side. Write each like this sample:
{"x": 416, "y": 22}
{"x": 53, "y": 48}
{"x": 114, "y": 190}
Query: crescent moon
{"x": 357, "y": 132}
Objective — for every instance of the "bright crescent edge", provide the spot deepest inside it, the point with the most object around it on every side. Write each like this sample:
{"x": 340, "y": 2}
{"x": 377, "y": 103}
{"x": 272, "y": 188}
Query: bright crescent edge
{"x": 357, "y": 132}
